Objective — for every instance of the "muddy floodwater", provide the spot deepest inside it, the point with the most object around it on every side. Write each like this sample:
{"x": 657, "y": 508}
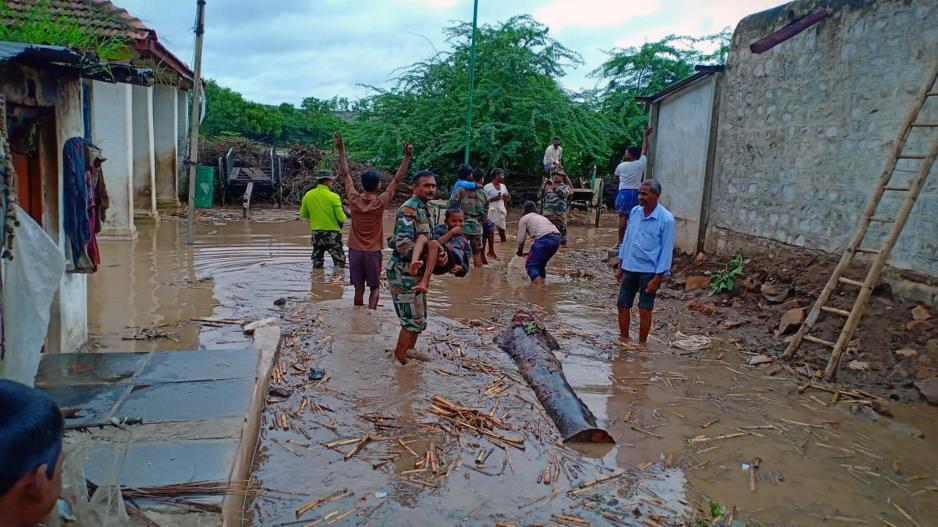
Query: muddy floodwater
{"x": 695, "y": 430}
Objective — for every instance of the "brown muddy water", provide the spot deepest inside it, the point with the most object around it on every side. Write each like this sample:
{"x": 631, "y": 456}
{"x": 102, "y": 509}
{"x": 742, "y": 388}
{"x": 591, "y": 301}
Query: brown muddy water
{"x": 687, "y": 424}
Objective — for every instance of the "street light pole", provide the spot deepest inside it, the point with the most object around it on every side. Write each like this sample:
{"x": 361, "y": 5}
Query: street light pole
{"x": 192, "y": 160}
{"x": 472, "y": 75}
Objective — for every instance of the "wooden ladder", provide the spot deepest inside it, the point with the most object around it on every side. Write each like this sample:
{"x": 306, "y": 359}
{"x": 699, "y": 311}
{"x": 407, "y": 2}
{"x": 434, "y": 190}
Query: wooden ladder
{"x": 880, "y": 254}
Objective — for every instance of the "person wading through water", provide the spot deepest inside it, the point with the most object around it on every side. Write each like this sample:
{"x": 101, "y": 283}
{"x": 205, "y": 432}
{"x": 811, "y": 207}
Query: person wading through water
{"x": 412, "y": 220}
{"x": 644, "y": 258}
{"x": 366, "y": 234}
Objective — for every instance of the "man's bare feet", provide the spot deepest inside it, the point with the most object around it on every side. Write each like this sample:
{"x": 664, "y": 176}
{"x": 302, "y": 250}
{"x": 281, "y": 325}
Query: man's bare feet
{"x": 415, "y": 267}
{"x": 422, "y": 287}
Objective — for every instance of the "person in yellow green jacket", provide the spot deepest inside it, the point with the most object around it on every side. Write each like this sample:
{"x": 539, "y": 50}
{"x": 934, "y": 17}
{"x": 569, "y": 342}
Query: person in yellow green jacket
{"x": 323, "y": 208}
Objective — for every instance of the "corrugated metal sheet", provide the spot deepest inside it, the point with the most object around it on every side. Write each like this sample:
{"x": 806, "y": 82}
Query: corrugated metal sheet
{"x": 86, "y": 65}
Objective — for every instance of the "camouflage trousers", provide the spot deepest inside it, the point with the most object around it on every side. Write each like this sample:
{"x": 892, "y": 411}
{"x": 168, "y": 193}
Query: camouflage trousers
{"x": 327, "y": 241}
{"x": 559, "y": 219}
{"x": 411, "y": 306}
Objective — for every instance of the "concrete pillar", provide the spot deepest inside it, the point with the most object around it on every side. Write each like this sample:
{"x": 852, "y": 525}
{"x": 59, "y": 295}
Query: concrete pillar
{"x": 144, "y": 186}
{"x": 112, "y": 131}
{"x": 182, "y": 140}
{"x": 165, "y": 130}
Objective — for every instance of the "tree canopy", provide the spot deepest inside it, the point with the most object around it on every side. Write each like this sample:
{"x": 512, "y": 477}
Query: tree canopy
{"x": 518, "y": 103}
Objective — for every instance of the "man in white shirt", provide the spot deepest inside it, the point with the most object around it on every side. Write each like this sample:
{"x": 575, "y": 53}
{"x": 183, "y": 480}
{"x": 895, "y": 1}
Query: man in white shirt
{"x": 498, "y": 202}
{"x": 546, "y": 242}
{"x": 552, "y": 155}
{"x": 630, "y": 172}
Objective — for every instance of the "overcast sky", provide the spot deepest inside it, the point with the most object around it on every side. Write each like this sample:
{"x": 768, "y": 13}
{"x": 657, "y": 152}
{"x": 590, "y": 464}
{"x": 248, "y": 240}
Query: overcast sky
{"x": 285, "y": 50}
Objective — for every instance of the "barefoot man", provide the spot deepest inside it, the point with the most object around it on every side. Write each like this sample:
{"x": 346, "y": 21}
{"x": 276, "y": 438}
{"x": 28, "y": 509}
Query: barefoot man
{"x": 413, "y": 220}
{"x": 644, "y": 258}
{"x": 366, "y": 236}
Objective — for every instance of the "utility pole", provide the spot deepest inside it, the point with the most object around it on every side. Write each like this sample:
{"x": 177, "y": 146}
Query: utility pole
{"x": 192, "y": 160}
{"x": 472, "y": 76}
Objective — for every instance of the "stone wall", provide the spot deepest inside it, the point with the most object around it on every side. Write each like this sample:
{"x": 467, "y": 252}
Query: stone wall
{"x": 805, "y": 128}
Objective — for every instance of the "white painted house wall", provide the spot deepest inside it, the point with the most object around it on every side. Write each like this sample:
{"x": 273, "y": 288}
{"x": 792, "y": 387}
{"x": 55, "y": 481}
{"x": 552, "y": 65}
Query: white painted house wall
{"x": 680, "y": 154}
{"x": 112, "y": 131}
{"x": 144, "y": 155}
{"x": 165, "y": 136}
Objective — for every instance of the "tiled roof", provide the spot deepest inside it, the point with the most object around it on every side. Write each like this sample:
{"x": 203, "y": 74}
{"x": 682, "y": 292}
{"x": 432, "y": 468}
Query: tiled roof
{"x": 106, "y": 19}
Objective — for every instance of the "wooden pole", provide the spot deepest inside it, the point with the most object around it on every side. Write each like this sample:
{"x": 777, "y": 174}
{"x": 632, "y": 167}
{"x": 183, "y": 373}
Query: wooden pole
{"x": 193, "y": 158}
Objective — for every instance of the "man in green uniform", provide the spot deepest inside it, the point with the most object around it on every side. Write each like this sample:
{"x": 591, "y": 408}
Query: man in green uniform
{"x": 323, "y": 208}
{"x": 475, "y": 205}
{"x": 413, "y": 219}
{"x": 554, "y": 195}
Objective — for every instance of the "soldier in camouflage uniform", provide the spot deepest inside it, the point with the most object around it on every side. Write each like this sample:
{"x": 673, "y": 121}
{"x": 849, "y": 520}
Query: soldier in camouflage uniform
{"x": 474, "y": 203}
{"x": 554, "y": 195}
{"x": 413, "y": 219}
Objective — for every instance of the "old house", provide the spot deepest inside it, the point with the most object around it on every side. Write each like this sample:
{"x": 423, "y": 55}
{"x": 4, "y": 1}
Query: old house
{"x": 784, "y": 146}
{"x": 133, "y": 107}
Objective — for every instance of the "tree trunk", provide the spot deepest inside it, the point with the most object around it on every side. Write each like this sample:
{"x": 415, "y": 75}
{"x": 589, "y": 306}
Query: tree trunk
{"x": 531, "y": 347}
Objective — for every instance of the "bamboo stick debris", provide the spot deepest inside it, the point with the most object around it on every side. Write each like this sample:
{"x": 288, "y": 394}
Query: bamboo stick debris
{"x": 312, "y": 504}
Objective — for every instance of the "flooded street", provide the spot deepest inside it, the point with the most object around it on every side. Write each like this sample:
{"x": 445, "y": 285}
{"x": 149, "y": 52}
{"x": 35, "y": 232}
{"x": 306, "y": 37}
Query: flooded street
{"x": 694, "y": 430}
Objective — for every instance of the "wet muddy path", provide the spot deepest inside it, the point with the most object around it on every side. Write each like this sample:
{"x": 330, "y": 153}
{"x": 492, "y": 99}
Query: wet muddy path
{"x": 689, "y": 425}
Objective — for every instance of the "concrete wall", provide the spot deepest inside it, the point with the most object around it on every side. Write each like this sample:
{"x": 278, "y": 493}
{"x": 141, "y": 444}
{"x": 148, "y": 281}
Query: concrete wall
{"x": 112, "y": 131}
{"x": 165, "y": 137}
{"x": 68, "y": 325}
{"x": 679, "y": 159}
{"x": 144, "y": 186}
{"x": 804, "y": 129}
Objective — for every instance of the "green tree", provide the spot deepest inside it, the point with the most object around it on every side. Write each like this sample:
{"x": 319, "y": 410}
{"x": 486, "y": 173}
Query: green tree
{"x": 518, "y": 105}
{"x": 632, "y": 72}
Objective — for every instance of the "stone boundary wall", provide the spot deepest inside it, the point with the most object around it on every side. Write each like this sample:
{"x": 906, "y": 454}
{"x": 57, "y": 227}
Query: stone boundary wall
{"x": 805, "y": 128}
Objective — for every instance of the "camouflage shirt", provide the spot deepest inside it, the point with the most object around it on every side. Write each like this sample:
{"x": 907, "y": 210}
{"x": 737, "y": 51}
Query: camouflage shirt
{"x": 474, "y": 205}
{"x": 555, "y": 199}
{"x": 413, "y": 218}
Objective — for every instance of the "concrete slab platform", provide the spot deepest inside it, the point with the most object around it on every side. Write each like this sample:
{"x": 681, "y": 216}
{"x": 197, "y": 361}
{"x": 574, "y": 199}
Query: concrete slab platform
{"x": 200, "y": 412}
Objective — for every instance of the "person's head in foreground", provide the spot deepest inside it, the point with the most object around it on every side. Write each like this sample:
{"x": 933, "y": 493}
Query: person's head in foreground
{"x": 464, "y": 172}
{"x": 497, "y": 175}
{"x": 31, "y": 430}
{"x": 556, "y": 140}
{"x": 454, "y": 218}
{"x": 371, "y": 180}
{"x": 529, "y": 207}
{"x": 425, "y": 185}
{"x": 478, "y": 175}
{"x": 649, "y": 193}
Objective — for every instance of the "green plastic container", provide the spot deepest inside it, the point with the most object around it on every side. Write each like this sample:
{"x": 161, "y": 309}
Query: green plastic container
{"x": 204, "y": 186}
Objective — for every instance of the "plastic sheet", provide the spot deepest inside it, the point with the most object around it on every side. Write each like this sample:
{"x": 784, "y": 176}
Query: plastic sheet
{"x": 30, "y": 282}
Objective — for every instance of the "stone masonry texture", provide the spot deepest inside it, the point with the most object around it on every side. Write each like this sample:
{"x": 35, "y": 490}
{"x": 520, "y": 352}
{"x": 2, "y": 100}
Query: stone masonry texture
{"x": 805, "y": 128}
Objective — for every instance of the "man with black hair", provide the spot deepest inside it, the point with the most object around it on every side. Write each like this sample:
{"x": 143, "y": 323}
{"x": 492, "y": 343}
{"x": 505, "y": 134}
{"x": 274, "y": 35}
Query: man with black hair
{"x": 413, "y": 220}
{"x": 629, "y": 173}
{"x": 463, "y": 179}
{"x": 546, "y": 238}
{"x": 553, "y": 155}
{"x": 31, "y": 431}
{"x": 366, "y": 234}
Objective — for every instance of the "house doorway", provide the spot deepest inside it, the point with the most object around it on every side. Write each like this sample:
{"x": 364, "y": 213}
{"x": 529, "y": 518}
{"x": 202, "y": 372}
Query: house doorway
{"x": 32, "y": 139}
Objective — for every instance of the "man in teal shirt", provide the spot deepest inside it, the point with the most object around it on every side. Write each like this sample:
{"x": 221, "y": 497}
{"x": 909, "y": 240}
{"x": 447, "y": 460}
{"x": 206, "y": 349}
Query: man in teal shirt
{"x": 323, "y": 208}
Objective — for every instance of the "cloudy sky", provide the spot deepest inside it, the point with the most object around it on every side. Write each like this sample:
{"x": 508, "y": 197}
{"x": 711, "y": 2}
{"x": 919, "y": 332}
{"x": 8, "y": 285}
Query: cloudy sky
{"x": 285, "y": 50}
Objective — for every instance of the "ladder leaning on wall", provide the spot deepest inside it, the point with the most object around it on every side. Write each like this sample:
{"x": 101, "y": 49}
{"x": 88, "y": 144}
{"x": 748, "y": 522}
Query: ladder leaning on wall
{"x": 929, "y": 92}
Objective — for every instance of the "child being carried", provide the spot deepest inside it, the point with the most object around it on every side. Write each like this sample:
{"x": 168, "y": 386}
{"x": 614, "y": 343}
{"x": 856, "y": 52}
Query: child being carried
{"x": 448, "y": 248}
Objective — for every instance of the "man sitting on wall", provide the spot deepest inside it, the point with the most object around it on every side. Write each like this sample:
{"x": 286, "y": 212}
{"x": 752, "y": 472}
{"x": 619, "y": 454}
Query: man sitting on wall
{"x": 31, "y": 431}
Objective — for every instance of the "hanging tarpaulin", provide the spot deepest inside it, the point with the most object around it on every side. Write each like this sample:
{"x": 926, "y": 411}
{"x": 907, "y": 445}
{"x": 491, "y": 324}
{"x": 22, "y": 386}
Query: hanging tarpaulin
{"x": 30, "y": 282}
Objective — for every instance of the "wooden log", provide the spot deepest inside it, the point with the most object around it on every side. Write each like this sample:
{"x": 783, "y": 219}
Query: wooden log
{"x": 531, "y": 347}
